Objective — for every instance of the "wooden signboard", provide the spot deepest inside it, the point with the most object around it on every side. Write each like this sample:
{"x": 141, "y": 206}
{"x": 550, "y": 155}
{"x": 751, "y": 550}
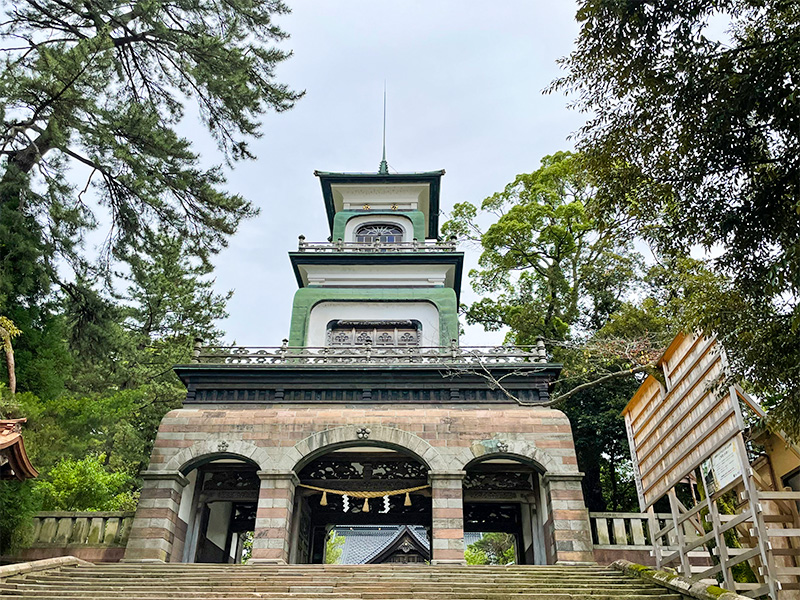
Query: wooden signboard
{"x": 675, "y": 425}
{"x": 691, "y": 420}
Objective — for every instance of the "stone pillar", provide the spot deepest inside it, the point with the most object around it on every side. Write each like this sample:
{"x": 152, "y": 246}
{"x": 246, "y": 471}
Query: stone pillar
{"x": 447, "y": 543}
{"x": 155, "y": 523}
{"x": 568, "y": 533}
{"x": 274, "y": 517}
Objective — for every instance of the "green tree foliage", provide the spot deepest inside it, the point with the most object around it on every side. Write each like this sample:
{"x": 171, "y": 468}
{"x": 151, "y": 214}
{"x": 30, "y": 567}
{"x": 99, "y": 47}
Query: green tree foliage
{"x": 694, "y": 135}
{"x": 85, "y": 484}
{"x": 495, "y": 548}
{"x": 18, "y": 505}
{"x": 103, "y": 86}
{"x": 334, "y": 546}
{"x": 550, "y": 268}
{"x": 546, "y": 264}
{"x": 116, "y": 382}
{"x": 98, "y": 91}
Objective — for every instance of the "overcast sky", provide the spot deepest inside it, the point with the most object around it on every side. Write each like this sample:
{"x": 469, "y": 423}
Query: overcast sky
{"x": 464, "y": 82}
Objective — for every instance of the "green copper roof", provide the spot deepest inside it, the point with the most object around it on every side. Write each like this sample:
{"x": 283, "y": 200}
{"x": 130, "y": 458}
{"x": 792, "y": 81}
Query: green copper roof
{"x": 433, "y": 178}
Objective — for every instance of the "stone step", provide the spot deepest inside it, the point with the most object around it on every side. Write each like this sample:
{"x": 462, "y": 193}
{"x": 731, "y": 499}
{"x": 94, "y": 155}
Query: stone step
{"x": 397, "y": 595}
{"x": 351, "y": 578}
{"x": 431, "y": 571}
{"x": 337, "y": 582}
{"x": 112, "y": 586}
{"x": 348, "y": 584}
{"x": 336, "y": 569}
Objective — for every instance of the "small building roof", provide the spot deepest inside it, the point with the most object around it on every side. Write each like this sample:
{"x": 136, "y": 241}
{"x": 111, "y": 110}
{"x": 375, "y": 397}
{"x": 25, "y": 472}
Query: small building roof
{"x": 365, "y": 543}
{"x": 14, "y": 462}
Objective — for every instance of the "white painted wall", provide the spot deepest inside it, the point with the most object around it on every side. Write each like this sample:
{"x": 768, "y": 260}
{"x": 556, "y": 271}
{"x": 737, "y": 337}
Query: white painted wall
{"x": 187, "y": 496}
{"x": 218, "y": 522}
{"x": 325, "y": 312}
{"x": 389, "y": 275}
{"x": 379, "y": 196}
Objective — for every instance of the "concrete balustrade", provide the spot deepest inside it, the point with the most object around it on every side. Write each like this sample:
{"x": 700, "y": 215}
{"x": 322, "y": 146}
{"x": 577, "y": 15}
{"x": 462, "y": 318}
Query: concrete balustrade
{"x": 626, "y": 536}
{"x": 91, "y": 536}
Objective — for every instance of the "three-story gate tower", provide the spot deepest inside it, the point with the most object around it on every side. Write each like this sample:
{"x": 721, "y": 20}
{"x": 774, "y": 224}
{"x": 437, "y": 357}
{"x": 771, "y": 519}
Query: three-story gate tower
{"x": 370, "y": 413}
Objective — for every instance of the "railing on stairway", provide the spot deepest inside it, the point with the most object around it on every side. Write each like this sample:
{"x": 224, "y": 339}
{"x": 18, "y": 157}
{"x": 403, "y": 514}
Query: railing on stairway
{"x": 623, "y": 531}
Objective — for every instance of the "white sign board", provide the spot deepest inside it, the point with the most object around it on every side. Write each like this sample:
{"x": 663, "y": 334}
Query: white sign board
{"x": 722, "y": 469}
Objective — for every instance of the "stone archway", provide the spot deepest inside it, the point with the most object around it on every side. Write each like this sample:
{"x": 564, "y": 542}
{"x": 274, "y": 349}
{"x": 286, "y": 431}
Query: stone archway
{"x": 522, "y": 450}
{"x": 190, "y": 456}
{"x": 360, "y": 524}
{"x": 276, "y": 523}
{"x": 379, "y": 435}
{"x": 161, "y": 524}
{"x": 504, "y": 506}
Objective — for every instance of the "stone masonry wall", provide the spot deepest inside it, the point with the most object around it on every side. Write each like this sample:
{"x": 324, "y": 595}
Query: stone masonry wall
{"x": 281, "y": 438}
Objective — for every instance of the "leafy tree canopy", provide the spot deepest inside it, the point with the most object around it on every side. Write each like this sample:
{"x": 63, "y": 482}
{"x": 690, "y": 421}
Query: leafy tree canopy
{"x": 85, "y": 484}
{"x": 545, "y": 262}
{"x": 103, "y": 86}
{"x": 551, "y": 268}
{"x": 694, "y": 134}
{"x": 334, "y": 546}
{"x": 494, "y": 548}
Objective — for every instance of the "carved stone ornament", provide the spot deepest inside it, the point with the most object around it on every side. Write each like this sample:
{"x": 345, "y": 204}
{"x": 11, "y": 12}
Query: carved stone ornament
{"x": 222, "y": 446}
{"x": 502, "y": 447}
{"x": 362, "y": 433}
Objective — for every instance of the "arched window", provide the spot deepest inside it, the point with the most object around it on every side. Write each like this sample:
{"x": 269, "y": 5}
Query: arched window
{"x": 386, "y": 233}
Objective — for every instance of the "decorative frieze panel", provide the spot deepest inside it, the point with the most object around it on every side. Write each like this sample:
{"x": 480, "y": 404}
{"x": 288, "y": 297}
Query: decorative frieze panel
{"x": 337, "y": 469}
{"x": 230, "y": 480}
{"x": 498, "y": 481}
{"x": 373, "y": 333}
{"x": 375, "y": 396}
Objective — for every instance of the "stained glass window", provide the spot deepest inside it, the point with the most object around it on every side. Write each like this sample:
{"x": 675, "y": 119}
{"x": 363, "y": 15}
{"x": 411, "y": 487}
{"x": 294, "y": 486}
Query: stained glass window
{"x": 385, "y": 233}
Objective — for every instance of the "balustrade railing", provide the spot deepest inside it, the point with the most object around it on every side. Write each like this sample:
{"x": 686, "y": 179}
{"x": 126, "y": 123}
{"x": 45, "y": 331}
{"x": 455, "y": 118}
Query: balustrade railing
{"x": 631, "y": 531}
{"x": 367, "y": 354}
{"x": 622, "y": 530}
{"x": 61, "y": 529}
{"x": 424, "y": 246}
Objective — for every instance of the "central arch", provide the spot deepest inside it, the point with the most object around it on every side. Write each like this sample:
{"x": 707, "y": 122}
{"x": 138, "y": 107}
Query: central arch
{"x": 348, "y": 435}
{"x": 372, "y": 459}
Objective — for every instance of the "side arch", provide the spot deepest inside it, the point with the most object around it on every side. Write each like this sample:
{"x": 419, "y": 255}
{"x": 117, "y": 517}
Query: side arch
{"x": 190, "y": 457}
{"x": 521, "y": 450}
{"x": 380, "y": 435}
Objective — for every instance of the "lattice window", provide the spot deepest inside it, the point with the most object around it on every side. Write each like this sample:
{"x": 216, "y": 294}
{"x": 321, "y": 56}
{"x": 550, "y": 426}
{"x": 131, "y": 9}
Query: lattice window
{"x": 385, "y": 233}
{"x": 374, "y": 333}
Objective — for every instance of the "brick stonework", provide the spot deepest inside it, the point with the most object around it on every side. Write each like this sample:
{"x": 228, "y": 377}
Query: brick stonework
{"x": 280, "y": 438}
{"x": 568, "y": 520}
{"x": 448, "y": 517}
{"x": 274, "y": 517}
{"x": 154, "y": 528}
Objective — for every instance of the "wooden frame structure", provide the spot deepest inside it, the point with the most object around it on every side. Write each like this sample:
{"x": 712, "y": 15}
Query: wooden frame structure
{"x": 693, "y": 418}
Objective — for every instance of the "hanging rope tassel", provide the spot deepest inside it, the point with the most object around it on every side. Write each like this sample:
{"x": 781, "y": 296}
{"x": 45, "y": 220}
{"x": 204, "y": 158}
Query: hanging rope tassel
{"x": 324, "y": 501}
{"x": 366, "y": 505}
{"x": 407, "y": 501}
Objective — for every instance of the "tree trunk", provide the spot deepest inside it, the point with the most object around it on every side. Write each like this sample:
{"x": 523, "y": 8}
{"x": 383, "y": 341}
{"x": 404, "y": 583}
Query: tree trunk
{"x": 592, "y": 488}
{"x": 9, "y": 350}
{"x": 20, "y": 164}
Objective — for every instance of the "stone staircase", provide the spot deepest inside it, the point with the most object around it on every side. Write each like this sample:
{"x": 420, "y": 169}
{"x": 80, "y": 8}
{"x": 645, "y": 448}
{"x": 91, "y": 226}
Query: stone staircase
{"x": 367, "y": 582}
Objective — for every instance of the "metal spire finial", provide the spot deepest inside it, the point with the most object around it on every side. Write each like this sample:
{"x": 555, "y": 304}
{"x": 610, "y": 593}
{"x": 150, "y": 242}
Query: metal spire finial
{"x": 384, "y": 168}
